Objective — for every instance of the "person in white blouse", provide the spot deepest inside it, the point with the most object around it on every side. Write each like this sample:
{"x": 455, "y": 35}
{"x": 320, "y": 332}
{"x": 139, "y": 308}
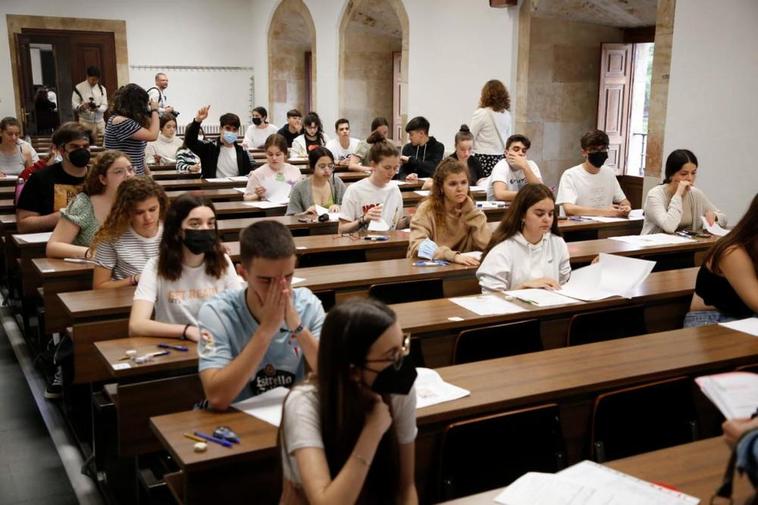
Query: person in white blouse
{"x": 526, "y": 249}
{"x": 256, "y": 135}
{"x": 491, "y": 125}
{"x": 163, "y": 150}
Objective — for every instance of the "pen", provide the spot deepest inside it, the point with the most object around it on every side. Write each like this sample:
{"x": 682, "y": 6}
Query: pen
{"x": 193, "y": 437}
{"x": 174, "y": 347}
{"x": 219, "y": 441}
{"x": 77, "y": 260}
{"x": 159, "y": 353}
{"x": 524, "y": 300}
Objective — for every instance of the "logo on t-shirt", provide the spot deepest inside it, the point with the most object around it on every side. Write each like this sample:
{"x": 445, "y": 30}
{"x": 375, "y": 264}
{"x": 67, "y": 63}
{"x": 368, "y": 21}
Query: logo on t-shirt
{"x": 269, "y": 377}
{"x": 63, "y": 194}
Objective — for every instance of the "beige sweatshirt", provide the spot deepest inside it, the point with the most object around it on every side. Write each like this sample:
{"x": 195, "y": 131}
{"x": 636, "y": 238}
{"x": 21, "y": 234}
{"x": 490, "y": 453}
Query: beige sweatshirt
{"x": 465, "y": 230}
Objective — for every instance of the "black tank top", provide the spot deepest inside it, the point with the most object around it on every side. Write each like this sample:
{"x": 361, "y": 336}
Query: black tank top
{"x": 716, "y": 290}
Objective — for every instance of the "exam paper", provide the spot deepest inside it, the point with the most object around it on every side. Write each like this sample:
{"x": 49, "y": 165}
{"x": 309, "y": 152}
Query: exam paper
{"x": 734, "y": 393}
{"x": 625, "y": 489}
{"x": 653, "y": 239}
{"x": 611, "y": 276}
{"x": 477, "y": 188}
{"x": 636, "y": 214}
{"x": 487, "y": 305}
{"x": 34, "y": 238}
{"x": 216, "y": 179}
{"x": 490, "y": 205}
{"x": 713, "y": 229}
{"x": 277, "y": 191}
{"x": 424, "y": 192}
{"x": 378, "y": 225}
{"x": 540, "y": 297}
{"x": 241, "y": 190}
{"x": 535, "y": 488}
{"x": 266, "y": 406}
{"x": 431, "y": 389}
{"x": 263, "y": 204}
{"x": 605, "y": 219}
{"x": 749, "y": 325}
{"x": 321, "y": 210}
{"x": 238, "y": 178}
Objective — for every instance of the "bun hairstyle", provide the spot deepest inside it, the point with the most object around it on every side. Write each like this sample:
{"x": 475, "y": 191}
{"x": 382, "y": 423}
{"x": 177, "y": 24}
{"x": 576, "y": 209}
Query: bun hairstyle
{"x": 464, "y": 133}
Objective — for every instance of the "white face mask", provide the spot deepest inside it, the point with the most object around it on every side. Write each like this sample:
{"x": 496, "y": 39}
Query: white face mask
{"x": 57, "y": 158}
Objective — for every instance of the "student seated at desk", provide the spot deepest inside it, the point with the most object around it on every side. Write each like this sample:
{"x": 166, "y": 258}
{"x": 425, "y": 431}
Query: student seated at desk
{"x": 14, "y": 155}
{"x": 275, "y": 169}
{"x": 163, "y": 150}
{"x": 449, "y": 218}
{"x": 49, "y": 190}
{"x": 676, "y": 203}
{"x": 591, "y": 189}
{"x": 343, "y": 145}
{"x": 422, "y": 154}
{"x": 82, "y": 218}
{"x": 348, "y": 434}
{"x": 257, "y": 133}
{"x": 320, "y": 188}
{"x": 375, "y": 198}
{"x": 514, "y": 171}
{"x": 130, "y": 235}
{"x": 223, "y": 158}
{"x": 192, "y": 267}
{"x": 526, "y": 250}
{"x": 727, "y": 282}
{"x": 257, "y": 336}
{"x": 464, "y": 142}
{"x": 380, "y": 130}
{"x": 313, "y": 136}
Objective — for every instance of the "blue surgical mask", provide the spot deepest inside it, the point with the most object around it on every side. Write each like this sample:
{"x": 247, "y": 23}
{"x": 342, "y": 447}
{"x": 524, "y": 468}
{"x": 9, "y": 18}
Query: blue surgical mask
{"x": 230, "y": 137}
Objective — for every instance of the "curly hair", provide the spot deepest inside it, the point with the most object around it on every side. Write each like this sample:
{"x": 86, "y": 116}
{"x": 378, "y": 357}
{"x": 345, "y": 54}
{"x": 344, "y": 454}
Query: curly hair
{"x": 171, "y": 250}
{"x": 436, "y": 198}
{"x": 495, "y": 95}
{"x": 131, "y": 101}
{"x": 130, "y": 193}
{"x": 92, "y": 184}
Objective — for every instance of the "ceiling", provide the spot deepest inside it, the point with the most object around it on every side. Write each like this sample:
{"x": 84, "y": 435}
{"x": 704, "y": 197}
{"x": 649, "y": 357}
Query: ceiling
{"x": 618, "y": 13}
{"x": 378, "y": 16}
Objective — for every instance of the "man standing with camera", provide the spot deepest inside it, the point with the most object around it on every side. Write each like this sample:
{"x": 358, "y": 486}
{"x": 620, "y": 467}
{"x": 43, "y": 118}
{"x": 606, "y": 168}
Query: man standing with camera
{"x": 90, "y": 100}
{"x": 158, "y": 94}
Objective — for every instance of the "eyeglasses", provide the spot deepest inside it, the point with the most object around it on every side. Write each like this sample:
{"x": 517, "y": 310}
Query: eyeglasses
{"x": 398, "y": 356}
{"x": 330, "y": 166}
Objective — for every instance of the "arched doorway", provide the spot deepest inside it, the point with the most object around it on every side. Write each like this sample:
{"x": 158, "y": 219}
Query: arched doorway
{"x": 374, "y": 65}
{"x": 291, "y": 66}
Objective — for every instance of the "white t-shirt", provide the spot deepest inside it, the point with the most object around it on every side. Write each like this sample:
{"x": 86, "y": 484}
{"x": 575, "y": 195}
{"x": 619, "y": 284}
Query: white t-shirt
{"x": 227, "y": 162}
{"x": 255, "y": 137}
{"x": 364, "y": 194}
{"x": 579, "y": 187}
{"x": 513, "y": 179}
{"x": 302, "y": 426}
{"x": 338, "y": 151}
{"x": 179, "y": 301}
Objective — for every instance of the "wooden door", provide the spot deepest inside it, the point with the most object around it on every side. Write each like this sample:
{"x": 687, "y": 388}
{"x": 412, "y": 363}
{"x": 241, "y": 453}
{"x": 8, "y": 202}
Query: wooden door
{"x": 25, "y": 84}
{"x": 614, "y": 104}
{"x": 398, "y": 94}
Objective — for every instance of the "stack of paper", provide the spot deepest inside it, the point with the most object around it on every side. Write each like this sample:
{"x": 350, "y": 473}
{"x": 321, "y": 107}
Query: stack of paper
{"x": 749, "y": 325}
{"x": 734, "y": 393}
{"x": 588, "y": 483}
{"x": 487, "y": 305}
{"x": 714, "y": 229}
{"x": 652, "y": 239}
{"x": 611, "y": 276}
{"x": 540, "y": 297}
{"x": 266, "y": 406}
{"x": 431, "y": 389}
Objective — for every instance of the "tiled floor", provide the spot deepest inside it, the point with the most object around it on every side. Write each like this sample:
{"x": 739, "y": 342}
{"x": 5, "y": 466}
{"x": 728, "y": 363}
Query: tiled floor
{"x": 30, "y": 470}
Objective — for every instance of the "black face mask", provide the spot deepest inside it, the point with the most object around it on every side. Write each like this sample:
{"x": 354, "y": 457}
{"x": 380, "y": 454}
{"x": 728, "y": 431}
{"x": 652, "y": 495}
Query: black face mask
{"x": 391, "y": 381}
{"x": 257, "y": 121}
{"x": 597, "y": 159}
{"x": 79, "y": 157}
{"x": 200, "y": 241}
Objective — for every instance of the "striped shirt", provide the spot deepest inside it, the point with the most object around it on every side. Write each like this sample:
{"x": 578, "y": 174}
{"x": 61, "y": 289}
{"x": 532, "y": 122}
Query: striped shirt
{"x": 128, "y": 254}
{"x": 119, "y": 136}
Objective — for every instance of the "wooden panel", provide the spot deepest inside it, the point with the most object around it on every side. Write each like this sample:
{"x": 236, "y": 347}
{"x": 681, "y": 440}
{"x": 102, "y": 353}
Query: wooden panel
{"x": 87, "y": 367}
{"x": 614, "y": 101}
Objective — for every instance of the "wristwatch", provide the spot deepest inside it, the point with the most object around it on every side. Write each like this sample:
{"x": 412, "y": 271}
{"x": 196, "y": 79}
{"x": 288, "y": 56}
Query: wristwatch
{"x": 298, "y": 330}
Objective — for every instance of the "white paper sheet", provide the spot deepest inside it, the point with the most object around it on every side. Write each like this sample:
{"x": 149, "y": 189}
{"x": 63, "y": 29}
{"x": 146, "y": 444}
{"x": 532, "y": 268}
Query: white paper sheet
{"x": 734, "y": 393}
{"x": 321, "y": 210}
{"x": 378, "y": 225}
{"x": 605, "y": 219}
{"x": 490, "y": 205}
{"x": 424, "y": 192}
{"x": 238, "y": 178}
{"x": 216, "y": 179}
{"x": 714, "y": 229}
{"x": 10, "y": 177}
{"x": 277, "y": 191}
{"x": 266, "y": 406}
{"x": 241, "y": 190}
{"x": 34, "y": 238}
{"x": 297, "y": 280}
{"x": 263, "y": 204}
{"x": 334, "y": 217}
{"x": 749, "y": 325}
{"x": 540, "y": 297}
{"x": 477, "y": 255}
{"x": 636, "y": 214}
{"x": 477, "y": 188}
{"x": 534, "y": 488}
{"x": 487, "y": 305}
{"x": 653, "y": 239}
{"x": 626, "y": 490}
{"x": 611, "y": 276}
{"x": 431, "y": 389}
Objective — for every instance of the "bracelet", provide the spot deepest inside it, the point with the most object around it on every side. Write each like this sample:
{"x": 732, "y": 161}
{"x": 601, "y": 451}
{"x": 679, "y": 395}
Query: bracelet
{"x": 361, "y": 459}
{"x": 298, "y": 330}
{"x": 184, "y": 333}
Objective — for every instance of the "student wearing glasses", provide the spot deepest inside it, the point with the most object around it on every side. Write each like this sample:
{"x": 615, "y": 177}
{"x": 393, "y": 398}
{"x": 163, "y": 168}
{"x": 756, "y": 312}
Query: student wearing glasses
{"x": 348, "y": 434}
{"x": 320, "y": 188}
{"x": 591, "y": 189}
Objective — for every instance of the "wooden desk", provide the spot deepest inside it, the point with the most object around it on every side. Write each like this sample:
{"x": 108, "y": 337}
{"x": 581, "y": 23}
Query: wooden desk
{"x": 571, "y": 377}
{"x": 695, "y": 469}
{"x": 170, "y": 173}
{"x": 111, "y": 352}
{"x": 7, "y": 205}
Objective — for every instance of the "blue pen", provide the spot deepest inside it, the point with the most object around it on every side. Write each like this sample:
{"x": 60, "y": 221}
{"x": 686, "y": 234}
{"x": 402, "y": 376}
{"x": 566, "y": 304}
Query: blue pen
{"x": 219, "y": 441}
{"x": 174, "y": 347}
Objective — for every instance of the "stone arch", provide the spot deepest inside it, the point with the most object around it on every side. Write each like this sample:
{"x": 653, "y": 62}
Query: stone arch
{"x": 370, "y": 32}
{"x": 291, "y": 57}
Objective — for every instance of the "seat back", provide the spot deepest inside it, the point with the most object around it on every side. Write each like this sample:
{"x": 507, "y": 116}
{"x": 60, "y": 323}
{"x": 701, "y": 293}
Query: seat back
{"x": 600, "y": 325}
{"x": 643, "y": 418}
{"x": 493, "y": 451}
{"x": 497, "y": 341}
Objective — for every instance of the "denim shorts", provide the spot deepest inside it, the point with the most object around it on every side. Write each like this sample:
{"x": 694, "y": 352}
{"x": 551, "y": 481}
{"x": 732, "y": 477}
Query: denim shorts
{"x": 705, "y": 317}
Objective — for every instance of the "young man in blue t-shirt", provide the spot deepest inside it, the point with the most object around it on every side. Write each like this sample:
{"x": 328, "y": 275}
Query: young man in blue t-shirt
{"x": 258, "y": 336}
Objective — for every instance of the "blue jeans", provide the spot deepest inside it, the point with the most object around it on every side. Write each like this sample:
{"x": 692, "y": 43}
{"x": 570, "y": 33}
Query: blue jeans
{"x": 705, "y": 317}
